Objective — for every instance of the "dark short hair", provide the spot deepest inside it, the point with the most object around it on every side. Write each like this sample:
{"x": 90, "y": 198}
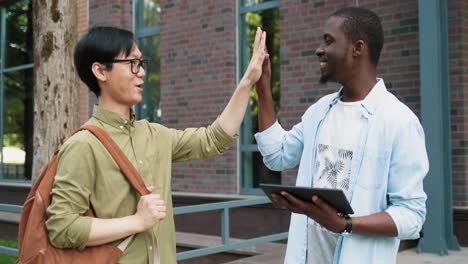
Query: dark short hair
{"x": 361, "y": 23}
{"x": 100, "y": 44}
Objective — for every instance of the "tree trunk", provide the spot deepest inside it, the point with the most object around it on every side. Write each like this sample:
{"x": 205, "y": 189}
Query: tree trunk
{"x": 56, "y": 86}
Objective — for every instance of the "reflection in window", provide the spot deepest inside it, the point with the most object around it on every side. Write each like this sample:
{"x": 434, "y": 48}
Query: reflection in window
{"x": 254, "y": 2}
{"x": 18, "y": 48}
{"x": 253, "y": 169}
{"x": 149, "y": 108}
{"x": 147, "y": 19}
{"x": 17, "y": 125}
{"x": 268, "y": 20}
{"x": 16, "y": 90}
{"x": 151, "y": 13}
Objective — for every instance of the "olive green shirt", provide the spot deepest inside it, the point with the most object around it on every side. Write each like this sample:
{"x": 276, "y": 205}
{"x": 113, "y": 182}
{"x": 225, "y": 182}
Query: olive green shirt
{"x": 88, "y": 176}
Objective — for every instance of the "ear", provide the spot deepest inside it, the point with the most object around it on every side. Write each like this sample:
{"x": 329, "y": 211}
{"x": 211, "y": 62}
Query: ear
{"x": 99, "y": 70}
{"x": 358, "y": 48}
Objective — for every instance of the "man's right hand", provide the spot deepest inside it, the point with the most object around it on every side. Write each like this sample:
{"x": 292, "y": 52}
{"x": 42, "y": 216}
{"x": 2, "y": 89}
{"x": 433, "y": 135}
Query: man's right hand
{"x": 265, "y": 79}
{"x": 150, "y": 210}
{"x": 266, "y": 112}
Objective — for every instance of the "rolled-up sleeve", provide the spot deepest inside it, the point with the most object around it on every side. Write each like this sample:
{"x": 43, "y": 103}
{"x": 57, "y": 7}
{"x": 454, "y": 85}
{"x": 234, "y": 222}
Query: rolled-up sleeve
{"x": 409, "y": 165}
{"x": 200, "y": 143}
{"x": 66, "y": 225}
{"x": 280, "y": 149}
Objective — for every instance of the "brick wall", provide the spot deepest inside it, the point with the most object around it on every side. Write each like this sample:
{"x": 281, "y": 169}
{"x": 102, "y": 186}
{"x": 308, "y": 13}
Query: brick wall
{"x": 116, "y": 13}
{"x": 301, "y": 30}
{"x": 82, "y": 13}
{"x": 198, "y": 76}
{"x": 198, "y": 65}
{"x": 458, "y": 43}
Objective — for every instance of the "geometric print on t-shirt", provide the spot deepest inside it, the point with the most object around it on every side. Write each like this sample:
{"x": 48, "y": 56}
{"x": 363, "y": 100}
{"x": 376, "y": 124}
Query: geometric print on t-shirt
{"x": 333, "y": 167}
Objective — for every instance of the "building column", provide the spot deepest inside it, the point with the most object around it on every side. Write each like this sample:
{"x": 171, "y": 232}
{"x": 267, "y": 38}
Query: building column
{"x": 438, "y": 234}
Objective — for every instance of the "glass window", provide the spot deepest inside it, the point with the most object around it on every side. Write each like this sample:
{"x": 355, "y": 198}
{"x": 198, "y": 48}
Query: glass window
{"x": 253, "y": 171}
{"x": 17, "y": 125}
{"x": 16, "y": 90}
{"x": 18, "y": 37}
{"x": 151, "y": 13}
{"x": 147, "y": 20}
{"x": 149, "y": 108}
{"x": 254, "y": 2}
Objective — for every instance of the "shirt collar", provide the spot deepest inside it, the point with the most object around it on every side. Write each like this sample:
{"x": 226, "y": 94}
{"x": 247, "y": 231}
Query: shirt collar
{"x": 112, "y": 118}
{"x": 372, "y": 100}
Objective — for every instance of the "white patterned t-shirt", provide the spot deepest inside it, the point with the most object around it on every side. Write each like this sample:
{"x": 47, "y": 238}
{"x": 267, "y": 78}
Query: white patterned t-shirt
{"x": 338, "y": 138}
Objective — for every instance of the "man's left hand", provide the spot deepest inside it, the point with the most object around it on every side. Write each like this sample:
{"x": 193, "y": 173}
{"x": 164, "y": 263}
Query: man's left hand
{"x": 320, "y": 211}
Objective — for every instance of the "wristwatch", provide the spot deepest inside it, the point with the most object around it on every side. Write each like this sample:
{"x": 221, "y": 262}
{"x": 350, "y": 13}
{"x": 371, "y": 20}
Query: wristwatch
{"x": 349, "y": 225}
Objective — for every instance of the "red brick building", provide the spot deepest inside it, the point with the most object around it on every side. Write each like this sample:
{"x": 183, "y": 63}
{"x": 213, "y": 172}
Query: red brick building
{"x": 199, "y": 48}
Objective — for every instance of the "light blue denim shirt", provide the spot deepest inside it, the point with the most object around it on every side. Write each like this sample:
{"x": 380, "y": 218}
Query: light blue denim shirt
{"x": 387, "y": 173}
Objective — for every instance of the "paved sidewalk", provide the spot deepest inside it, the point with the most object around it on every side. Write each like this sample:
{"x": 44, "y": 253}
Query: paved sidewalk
{"x": 410, "y": 256}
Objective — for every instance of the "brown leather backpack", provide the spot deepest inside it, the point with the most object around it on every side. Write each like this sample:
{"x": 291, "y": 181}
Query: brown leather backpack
{"x": 34, "y": 246}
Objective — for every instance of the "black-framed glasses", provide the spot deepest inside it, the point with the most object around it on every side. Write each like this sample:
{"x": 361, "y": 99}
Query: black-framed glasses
{"x": 136, "y": 64}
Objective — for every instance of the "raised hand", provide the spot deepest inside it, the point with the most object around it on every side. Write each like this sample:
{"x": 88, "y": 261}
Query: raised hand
{"x": 265, "y": 79}
{"x": 254, "y": 70}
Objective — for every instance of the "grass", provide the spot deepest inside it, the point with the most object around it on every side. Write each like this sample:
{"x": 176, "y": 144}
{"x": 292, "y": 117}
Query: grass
{"x": 4, "y": 259}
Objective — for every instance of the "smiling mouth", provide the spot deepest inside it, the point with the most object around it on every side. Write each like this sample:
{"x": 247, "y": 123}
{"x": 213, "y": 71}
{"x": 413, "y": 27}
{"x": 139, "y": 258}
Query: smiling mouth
{"x": 323, "y": 65}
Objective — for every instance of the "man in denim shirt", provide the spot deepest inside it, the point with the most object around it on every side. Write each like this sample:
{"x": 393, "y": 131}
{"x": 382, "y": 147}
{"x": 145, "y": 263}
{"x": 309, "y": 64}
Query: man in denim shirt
{"x": 361, "y": 140}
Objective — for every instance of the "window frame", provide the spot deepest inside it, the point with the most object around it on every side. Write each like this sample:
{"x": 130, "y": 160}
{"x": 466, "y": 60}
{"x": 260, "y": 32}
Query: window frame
{"x": 4, "y": 70}
{"x": 141, "y": 32}
{"x": 245, "y": 150}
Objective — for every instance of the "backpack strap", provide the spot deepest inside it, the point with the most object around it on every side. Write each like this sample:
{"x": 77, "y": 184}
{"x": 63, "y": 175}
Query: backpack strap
{"x": 122, "y": 161}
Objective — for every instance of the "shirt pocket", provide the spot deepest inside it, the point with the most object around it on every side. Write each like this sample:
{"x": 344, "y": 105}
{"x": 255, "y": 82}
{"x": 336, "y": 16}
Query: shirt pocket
{"x": 374, "y": 169}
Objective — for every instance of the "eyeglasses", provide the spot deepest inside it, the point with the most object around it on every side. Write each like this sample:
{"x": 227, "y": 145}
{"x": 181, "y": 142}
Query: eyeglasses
{"x": 136, "y": 64}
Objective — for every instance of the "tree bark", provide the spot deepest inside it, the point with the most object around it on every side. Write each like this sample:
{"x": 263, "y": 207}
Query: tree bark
{"x": 56, "y": 86}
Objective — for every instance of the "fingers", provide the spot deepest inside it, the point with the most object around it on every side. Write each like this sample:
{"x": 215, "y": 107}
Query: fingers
{"x": 266, "y": 63}
{"x": 299, "y": 206}
{"x": 254, "y": 69}
{"x": 150, "y": 188}
{"x": 281, "y": 201}
{"x": 257, "y": 41}
{"x": 292, "y": 198}
{"x": 323, "y": 206}
{"x": 154, "y": 203}
{"x": 262, "y": 46}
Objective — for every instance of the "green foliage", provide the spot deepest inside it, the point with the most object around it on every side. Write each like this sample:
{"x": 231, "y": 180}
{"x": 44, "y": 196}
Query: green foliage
{"x": 4, "y": 259}
{"x": 152, "y": 92}
{"x": 150, "y": 11}
{"x": 19, "y": 34}
{"x": 17, "y": 83}
{"x": 268, "y": 20}
{"x": 18, "y": 99}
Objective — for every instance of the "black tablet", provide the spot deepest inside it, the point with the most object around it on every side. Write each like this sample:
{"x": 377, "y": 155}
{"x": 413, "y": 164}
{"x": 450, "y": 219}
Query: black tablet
{"x": 334, "y": 197}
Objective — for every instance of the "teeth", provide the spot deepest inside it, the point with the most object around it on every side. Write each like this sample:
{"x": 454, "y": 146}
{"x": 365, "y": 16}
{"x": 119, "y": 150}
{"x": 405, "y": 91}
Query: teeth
{"x": 322, "y": 64}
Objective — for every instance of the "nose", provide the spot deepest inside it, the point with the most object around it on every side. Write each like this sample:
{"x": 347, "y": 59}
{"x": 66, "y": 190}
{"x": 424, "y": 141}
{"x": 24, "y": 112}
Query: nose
{"x": 319, "y": 51}
{"x": 142, "y": 72}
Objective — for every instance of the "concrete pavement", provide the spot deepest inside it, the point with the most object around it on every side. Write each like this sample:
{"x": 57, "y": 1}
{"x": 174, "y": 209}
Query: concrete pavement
{"x": 408, "y": 256}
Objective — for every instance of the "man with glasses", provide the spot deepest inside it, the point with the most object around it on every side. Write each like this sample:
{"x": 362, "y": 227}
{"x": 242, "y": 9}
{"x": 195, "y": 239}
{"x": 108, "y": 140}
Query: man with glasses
{"x": 109, "y": 62}
{"x": 136, "y": 64}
